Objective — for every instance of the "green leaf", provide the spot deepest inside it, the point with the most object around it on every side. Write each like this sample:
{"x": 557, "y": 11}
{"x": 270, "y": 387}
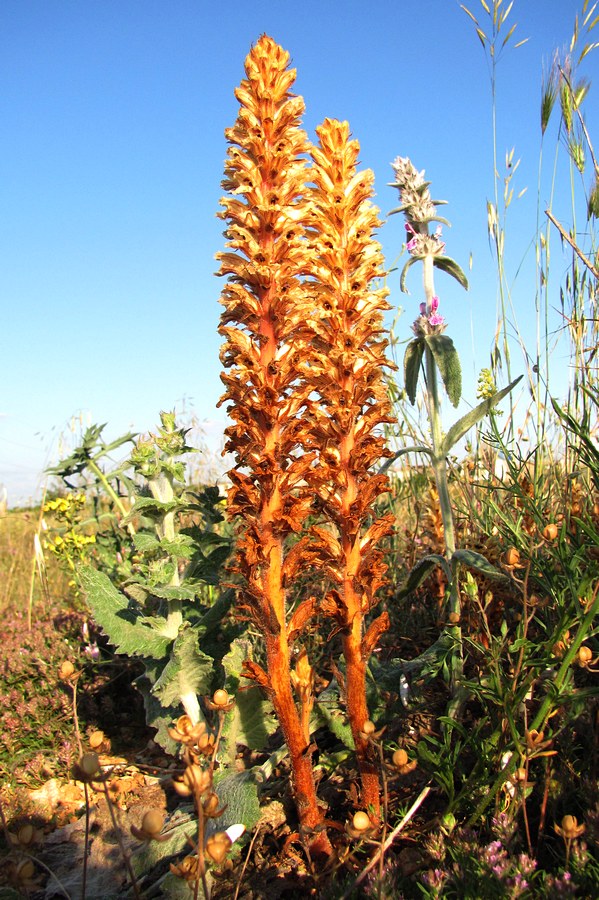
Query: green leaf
{"x": 174, "y": 592}
{"x": 411, "y": 367}
{"x": 451, "y": 267}
{"x": 148, "y": 506}
{"x": 421, "y": 571}
{"x": 124, "y": 627}
{"x": 477, "y": 561}
{"x": 158, "y": 716}
{"x": 459, "y": 429}
{"x": 188, "y": 671}
{"x": 327, "y": 711}
{"x": 145, "y": 542}
{"x": 448, "y": 362}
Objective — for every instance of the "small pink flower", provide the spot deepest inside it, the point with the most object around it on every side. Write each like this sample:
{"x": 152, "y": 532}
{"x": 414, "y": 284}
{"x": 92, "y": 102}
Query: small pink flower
{"x": 411, "y": 244}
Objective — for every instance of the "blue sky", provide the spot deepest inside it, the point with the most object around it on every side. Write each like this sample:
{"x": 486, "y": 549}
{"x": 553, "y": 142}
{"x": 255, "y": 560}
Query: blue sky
{"x": 113, "y": 113}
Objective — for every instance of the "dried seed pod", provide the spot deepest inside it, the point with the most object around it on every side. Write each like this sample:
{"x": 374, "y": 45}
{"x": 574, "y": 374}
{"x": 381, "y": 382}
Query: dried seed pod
{"x": 512, "y": 558}
{"x": 400, "y": 758}
{"x": 217, "y": 846}
{"x": 550, "y": 531}
{"x": 570, "y": 830}
{"x": 66, "y": 671}
{"x": 361, "y": 822}
{"x": 153, "y": 821}
{"x": 88, "y": 767}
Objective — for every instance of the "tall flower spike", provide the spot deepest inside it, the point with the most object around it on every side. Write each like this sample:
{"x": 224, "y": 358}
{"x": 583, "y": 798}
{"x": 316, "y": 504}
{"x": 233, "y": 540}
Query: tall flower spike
{"x": 265, "y": 305}
{"x": 346, "y": 372}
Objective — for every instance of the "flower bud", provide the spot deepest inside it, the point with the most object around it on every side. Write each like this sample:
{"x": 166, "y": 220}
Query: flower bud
{"x": 550, "y": 531}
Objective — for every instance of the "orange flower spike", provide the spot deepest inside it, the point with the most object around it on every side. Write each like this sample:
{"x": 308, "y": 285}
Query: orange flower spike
{"x": 265, "y": 307}
{"x": 346, "y": 369}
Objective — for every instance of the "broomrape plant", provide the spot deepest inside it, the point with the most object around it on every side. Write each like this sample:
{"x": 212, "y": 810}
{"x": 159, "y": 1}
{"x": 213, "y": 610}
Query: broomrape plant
{"x": 304, "y": 353}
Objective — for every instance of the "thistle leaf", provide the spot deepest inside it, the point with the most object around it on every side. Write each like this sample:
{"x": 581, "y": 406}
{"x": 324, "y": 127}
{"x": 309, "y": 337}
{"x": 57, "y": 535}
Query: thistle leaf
{"x": 125, "y": 627}
{"x": 448, "y": 362}
{"x": 188, "y": 671}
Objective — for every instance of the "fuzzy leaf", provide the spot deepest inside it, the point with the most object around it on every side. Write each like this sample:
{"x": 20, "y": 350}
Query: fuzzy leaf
{"x": 188, "y": 671}
{"x": 448, "y": 363}
{"x": 476, "y": 561}
{"x": 421, "y": 571}
{"x": 251, "y": 721}
{"x": 459, "y": 429}
{"x": 239, "y": 791}
{"x": 124, "y": 627}
{"x": 174, "y": 592}
{"x": 328, "y": 711}
{"x": 404, "y": 273}
{"x": 411, "y": 367}
{"x": 451, "y": 267}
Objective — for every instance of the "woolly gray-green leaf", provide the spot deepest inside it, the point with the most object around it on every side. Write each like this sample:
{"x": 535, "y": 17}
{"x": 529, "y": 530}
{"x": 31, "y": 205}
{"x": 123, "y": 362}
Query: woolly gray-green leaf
{"x": 448, "y": 362}
{"x": 158, "y": 716}
{"x": 446, "y": 264}
{"x": 239, "y": 791}
{"x": 411, "y": 367}
{"x": 478, "y": 562}
{"x": 404, "y": 272}
{"x": 421, "y": 571}
{"x": 251, "y": 721}
{"x": 125, "y": 627}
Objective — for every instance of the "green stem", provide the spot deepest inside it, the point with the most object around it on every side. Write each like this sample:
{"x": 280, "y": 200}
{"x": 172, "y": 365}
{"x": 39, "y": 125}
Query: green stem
{"x": 161, "y": 488}
{"x": 95, "y": 468}
{"x": 551, "y": 697}
{"x": 440, "y": 473}
{"x": 551, "y": 700}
